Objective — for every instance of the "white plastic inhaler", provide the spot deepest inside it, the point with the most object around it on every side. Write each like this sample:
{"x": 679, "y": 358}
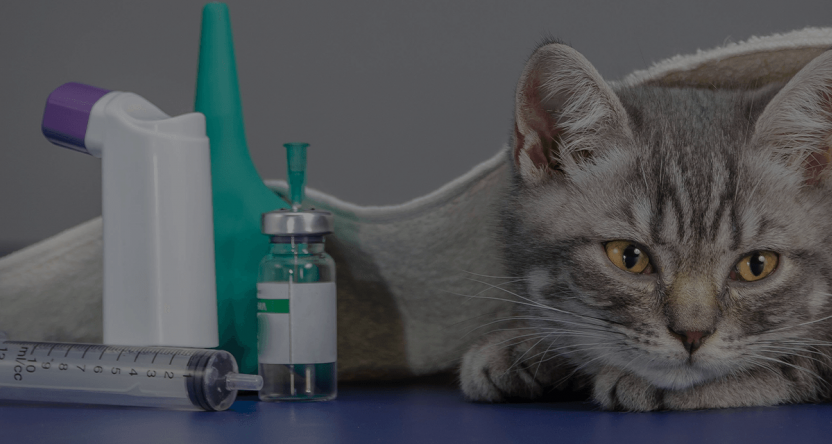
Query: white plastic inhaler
{"x": 159, "y": 277}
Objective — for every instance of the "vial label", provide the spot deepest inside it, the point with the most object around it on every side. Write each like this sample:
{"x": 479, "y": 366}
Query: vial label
{"x": 296, "y": 323}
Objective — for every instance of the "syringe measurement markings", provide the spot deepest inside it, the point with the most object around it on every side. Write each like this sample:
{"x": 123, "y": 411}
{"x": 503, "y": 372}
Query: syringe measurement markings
{"x": 154, "y": 358}
{"x": 171, "y": 359}
{"x": 33, "y": 349}
{"x": 119, "y": 354}
{"x": 85, "y": 351}
{"x": 67, "y": 351}
{"x": 102, "y": 353}
{"x": 21, "y": 352}
{"x": 50, "y": 350}
{"x": 137, "y": 356}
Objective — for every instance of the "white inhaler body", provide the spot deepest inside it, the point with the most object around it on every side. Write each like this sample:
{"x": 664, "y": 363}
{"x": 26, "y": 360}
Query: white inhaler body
{"x": 159, "y": 277}
{"x": 296, "y": 309}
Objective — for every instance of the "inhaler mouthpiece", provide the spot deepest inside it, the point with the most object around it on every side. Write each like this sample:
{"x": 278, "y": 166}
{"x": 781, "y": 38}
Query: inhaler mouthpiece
{"x": 67, "y": 114}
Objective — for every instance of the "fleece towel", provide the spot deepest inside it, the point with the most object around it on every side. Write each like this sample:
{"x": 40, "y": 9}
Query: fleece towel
{"x": 417, "y": 282}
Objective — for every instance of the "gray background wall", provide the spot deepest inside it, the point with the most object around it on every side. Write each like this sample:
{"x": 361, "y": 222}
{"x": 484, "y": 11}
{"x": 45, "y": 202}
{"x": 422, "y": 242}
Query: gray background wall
{"x": 396, "y": 98}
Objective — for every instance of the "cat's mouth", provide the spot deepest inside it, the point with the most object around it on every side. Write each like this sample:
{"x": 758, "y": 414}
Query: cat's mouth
{"x": 693, "y": 357}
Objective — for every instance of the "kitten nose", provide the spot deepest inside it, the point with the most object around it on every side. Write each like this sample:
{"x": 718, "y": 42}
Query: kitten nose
{"x": 691, "y": 340}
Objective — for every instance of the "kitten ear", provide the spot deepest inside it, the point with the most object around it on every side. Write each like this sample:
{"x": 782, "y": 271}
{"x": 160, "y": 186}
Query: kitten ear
{"x": 796, "y": 126}
{"x": 564, "y": 111}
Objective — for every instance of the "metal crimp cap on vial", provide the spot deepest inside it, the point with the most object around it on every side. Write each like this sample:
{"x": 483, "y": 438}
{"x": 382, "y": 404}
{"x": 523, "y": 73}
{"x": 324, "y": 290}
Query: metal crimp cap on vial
{"x": 285, "y": 222}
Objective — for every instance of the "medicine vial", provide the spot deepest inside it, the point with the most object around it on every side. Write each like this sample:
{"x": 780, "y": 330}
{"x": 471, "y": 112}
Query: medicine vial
{"x": 296, "y": 309}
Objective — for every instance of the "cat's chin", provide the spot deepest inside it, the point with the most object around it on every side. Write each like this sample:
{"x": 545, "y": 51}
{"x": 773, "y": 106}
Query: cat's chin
{"x": 678, "y": 377}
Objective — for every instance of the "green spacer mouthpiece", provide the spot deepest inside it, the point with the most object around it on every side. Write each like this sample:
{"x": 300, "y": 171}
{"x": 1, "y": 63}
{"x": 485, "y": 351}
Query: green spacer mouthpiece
{"x": 296, "y": 161}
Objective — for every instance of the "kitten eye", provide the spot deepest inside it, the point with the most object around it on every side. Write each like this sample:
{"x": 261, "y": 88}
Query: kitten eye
{"x": 755, "y": 266}
{"x": 628, "y": 257}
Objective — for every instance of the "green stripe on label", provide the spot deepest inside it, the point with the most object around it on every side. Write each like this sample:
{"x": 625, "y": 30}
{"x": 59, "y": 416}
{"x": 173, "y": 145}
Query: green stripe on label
{"x": 273, "y": 306}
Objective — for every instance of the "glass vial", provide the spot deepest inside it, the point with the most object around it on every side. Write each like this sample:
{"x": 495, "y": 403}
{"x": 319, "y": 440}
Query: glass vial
{"x": 296, "y": 309}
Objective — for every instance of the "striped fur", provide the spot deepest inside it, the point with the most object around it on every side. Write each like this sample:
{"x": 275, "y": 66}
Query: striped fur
{"x": 700, "y": 178}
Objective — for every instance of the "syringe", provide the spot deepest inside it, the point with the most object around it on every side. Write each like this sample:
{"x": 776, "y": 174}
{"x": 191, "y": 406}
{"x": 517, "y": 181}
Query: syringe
{"x": 177, "y": 378}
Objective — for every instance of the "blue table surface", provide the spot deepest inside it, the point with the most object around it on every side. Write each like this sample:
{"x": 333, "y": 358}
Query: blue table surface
{"x": 406, "y": 413}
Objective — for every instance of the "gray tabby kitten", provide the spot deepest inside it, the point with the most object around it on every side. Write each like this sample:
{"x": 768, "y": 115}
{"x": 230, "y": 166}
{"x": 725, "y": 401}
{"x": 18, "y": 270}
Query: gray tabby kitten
{"x": 674, "y": 245}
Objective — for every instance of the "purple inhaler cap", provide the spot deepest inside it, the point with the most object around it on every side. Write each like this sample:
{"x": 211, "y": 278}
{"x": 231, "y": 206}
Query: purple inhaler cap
{"x": 67, "y": 114}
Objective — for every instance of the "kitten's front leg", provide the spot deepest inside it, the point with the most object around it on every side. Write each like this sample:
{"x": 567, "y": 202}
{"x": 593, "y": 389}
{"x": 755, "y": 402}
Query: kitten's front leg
{"x": 616, "y": 389}
{"x": 756, "y": 388}
{"x": 503, "y": 366}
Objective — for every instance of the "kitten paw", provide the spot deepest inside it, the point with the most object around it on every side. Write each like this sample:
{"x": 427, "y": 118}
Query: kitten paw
{"x": 494, "y": 371}
{"x": 618, "y": 390}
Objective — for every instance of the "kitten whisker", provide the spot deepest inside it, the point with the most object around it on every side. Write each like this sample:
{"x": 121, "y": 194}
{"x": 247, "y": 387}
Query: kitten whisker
{"x": 539, "y": 363}
{"x": 542, "y": 332}
{"x": 553, "y": 331}
{"x": 493, "y": 298}
{"x": 492, "y": 286}
{"x": 536, "y": 334}
{"x": 791, "y": 346}
{"x": 796, "y": 367}
{"x": 577, "y": 349}
{"x": 531, "y": 301}
{"x": 637, "y": 355}
{"x": 798, "y": 325}
{"x": 593, "y": 327}
{"x": 791, "y": 352}
{"x": 586, "y": 328}
{"x": 506, "y": 319}
{"x": 565, "y": 378}
{"x": 764, "y": 365}
{"x": 544, "y": 306}
{"x": 495, "y": 277}
{"x": 590, "y": 327}
{"x": 489, "y": 313}
{"x": 525, "y": 352}
{"x": 529, "y": 338}
{"x": 805, "y": 341}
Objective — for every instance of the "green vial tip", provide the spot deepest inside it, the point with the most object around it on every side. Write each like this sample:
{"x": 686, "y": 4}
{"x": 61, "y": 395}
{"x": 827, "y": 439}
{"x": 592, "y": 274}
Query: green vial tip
{"x": 296, "y": 161}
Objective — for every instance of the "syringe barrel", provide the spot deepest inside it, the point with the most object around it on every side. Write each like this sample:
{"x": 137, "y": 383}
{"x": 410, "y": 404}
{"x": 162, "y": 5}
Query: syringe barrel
{"x": 176, "y": 378}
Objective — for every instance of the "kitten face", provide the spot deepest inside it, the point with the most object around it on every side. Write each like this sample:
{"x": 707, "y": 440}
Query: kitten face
{"x": 706, "y": 217}
{"x": 685, "y": 176}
